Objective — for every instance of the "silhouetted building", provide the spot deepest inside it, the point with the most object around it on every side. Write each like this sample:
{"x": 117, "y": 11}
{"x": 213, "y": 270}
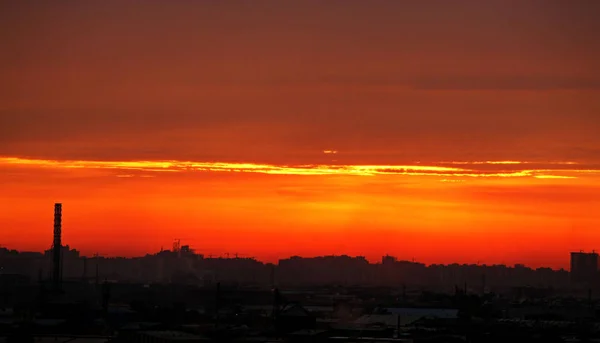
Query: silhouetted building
{"x": 57, "y": 245}
{"x": 387, "y": 259}
{"x": 584, "y": 268}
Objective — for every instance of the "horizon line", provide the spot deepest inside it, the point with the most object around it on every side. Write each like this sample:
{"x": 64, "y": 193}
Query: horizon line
{"x": 211, "y": 256}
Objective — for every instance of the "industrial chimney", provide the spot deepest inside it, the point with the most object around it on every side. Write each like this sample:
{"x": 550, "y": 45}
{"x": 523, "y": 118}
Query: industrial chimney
{"x": 57, "y": 245}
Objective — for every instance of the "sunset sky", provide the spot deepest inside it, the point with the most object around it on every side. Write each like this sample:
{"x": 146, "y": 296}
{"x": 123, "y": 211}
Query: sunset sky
{"x": 444, "y": 131}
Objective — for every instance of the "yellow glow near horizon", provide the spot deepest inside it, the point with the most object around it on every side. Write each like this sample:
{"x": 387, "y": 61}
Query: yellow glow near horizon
{"x": 306, "y": 169}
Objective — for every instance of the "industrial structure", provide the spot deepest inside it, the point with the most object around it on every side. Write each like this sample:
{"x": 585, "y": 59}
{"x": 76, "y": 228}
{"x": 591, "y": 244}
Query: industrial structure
{"x": 57, "y": 245}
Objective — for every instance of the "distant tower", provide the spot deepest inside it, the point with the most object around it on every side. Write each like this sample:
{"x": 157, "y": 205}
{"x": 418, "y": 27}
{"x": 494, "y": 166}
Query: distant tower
{"x": 56, "y": 246}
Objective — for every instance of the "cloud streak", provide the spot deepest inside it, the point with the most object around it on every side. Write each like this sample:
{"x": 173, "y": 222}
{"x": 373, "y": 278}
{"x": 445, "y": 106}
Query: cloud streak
{"x": 173, "y": 166}
{"x": 508, "y": 83}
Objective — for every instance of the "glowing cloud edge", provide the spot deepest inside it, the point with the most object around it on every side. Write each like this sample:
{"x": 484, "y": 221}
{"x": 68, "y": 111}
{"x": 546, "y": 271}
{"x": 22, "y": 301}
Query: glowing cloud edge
{"x": 306, "y": 169}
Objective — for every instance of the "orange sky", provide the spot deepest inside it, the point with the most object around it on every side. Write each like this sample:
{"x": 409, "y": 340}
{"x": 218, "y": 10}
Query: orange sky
{"x": 242, "y": 99}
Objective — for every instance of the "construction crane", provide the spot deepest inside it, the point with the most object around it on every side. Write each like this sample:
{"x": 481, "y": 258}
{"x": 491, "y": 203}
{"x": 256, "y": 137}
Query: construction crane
{"x": 177, "y": 245}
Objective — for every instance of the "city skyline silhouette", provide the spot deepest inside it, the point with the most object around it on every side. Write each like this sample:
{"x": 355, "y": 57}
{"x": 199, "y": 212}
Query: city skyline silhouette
{"x": 178, "y": 247}
{"x": 300, "y": 171}
{"x": 465, "y": 134}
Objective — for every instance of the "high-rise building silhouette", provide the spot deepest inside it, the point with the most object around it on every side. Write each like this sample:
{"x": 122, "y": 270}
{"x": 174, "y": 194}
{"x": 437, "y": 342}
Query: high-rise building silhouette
{"x": 387, "y": 259}
{"x": 584, "y": 268}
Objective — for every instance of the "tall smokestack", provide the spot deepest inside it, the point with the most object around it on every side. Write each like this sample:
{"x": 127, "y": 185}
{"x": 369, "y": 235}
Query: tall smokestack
{"x": 56, "y": 246}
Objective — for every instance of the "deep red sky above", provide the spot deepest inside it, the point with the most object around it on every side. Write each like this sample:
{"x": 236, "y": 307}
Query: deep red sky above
{"x": 86, "y": 86}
